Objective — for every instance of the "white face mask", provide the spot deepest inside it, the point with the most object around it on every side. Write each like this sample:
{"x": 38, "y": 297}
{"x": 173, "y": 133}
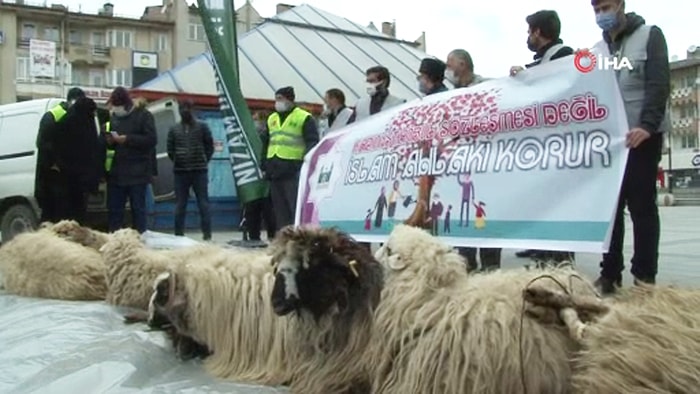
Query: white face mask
{"x": 118, "y": 110}
{"x": 372, "y": 88}
{"x": 281, "y": 106}
{"x": 450, "y": 76}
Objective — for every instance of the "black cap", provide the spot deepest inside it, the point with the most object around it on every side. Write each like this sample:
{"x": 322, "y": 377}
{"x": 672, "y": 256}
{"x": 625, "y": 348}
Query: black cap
{"x": 74, "y": 94}
{"x": 286, "y": 92}
{"x": 433, "y": 68}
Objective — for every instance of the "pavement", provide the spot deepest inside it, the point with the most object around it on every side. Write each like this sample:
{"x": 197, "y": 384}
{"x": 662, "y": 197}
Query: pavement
{"x": 679, "y": 254}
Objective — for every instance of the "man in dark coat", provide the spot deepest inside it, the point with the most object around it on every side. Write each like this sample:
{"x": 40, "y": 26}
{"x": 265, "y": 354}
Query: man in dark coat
{"x": 50, "y": 188}
{"x": 133, "y": 138}
{"x": 78, "y": 152}
{"x": 431, "y": 75}
{"x": 190, "y": 147}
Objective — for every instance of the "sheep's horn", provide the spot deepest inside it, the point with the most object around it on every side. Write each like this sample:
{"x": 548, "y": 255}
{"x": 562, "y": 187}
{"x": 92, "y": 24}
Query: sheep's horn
{"x": 352, "y": 265}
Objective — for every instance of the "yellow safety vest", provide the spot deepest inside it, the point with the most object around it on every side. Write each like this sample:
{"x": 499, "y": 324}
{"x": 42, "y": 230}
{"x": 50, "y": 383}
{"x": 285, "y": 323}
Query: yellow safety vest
{"x": 287, "y": 139}
{"x": 58, "y": 112}
{"x": 110, "y": 152}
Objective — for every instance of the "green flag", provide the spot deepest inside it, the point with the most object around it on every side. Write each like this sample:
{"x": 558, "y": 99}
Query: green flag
{"x": 243, "y": 141}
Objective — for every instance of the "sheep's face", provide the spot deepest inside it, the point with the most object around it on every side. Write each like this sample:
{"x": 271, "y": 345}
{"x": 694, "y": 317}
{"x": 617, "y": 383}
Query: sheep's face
{"x": 313, "y": 270}
{"x": 407, "y": 244}
{"x": 159, "y": 300}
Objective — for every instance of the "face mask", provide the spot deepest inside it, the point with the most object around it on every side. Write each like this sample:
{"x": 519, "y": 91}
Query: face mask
{"x": 281, "y": 106}
{"x": 607, "y": 21}
{"x": 119, "y": 110}
{"x": 422, "y": 87}
{"x": 372, "y": 88}
{"x": 450, "y": 76}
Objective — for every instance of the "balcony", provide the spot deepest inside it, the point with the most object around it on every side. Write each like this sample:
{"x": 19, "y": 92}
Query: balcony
{"x": 684, "y": 95}
{"x": 23, "y": 43}
{"x": 89, "y": 54}
{"x": 686, "y": 125}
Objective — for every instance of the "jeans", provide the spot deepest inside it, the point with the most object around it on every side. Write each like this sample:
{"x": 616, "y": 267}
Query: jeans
{"x": 638, "y": 192}
{"x": 198, "y": 181}
{"x": 117, "y": 196}
{"x": 283, "y": 193}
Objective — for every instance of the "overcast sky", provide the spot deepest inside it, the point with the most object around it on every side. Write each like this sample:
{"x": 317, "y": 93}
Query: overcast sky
{"x": 493, "y": 31}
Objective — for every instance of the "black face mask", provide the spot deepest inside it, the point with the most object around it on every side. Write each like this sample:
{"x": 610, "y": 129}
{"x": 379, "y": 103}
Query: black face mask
{"x": 186, "y": 116}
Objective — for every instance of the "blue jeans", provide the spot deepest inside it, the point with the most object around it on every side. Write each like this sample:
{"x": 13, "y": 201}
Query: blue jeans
{"x": 117, "y": 196}
{"x": 198, "y": 181}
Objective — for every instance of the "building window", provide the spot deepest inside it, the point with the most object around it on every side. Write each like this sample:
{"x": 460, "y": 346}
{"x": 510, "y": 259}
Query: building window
{"x": 97, "y": 39}
{"x": 689, "y": 141}
{"x": 690, "y": 81}
{"x": 196, "y": 32}
{"x": 97, "y": 78}
{"x": 80, "y": 77}
{"x": 120, "y": 39}
{"x": 52, "y": 34}
{"x": 119, "y": 78}
{"x": 75, "y": 37}
{"x": 161, "y": 43}
{"x": 28, "y": 31}
{"x": 23, "y": 69}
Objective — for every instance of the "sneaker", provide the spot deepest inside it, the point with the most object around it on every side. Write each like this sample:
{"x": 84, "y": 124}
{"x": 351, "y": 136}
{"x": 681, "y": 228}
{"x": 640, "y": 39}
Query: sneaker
{"x": 607, "y": 286}
{"x": 206, "y": 237}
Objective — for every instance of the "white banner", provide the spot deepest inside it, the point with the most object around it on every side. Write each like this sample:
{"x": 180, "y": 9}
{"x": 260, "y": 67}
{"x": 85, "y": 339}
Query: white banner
{"x": 42, "y": 55}
{"x": 533, "y": 161}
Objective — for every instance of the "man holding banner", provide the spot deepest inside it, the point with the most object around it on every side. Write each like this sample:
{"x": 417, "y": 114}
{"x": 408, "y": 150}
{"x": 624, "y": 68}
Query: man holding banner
{"x": 291, "y": 132}
{"x": 645, "y": 94}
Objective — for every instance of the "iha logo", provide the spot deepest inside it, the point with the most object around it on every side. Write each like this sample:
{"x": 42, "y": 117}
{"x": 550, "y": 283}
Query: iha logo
{"x": 585, "y": 61}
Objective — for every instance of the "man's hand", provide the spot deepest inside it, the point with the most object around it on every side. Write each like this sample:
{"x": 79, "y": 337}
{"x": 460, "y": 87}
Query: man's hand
{"x": 119, "y": 139}
{"x": 636, "y": 136}
{"x": 515, "y": 70}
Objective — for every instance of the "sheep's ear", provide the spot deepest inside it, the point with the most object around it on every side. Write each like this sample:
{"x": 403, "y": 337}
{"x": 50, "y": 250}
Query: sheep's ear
{"x": 396, "y": 263}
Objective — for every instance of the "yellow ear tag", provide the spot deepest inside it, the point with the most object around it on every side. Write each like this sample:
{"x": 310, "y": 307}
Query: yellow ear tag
{"x": 352, "y": 265}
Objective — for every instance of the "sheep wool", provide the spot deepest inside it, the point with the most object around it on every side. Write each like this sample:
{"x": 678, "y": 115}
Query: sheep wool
{"x": 42, "y": 264}
{"x": 436, "y": 330}
{"x": 648, "y": 343}
{"x": 223, "y": 294}
{"x": 74, "y": 232}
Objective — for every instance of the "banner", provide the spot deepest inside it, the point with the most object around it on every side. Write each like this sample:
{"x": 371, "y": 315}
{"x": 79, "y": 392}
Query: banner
{"x": 243, "y": 140}
{"x": 42, "y": 55}
{"x": 532, "y": 161}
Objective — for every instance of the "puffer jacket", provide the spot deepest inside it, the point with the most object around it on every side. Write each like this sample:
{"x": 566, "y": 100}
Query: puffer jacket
{"x": 190, "y": 147}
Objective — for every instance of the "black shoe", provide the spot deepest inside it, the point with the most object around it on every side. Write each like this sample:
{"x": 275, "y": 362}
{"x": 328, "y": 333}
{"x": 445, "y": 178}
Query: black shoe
{"x": 644, "y": 282}
{"x": 207, "y": 237}
{"x": 526, "y": 253}
{"x": 607, "y": 286}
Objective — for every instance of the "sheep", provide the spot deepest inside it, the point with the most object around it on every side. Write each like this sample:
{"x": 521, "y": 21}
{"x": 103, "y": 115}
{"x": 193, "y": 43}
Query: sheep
{"x": 432, "y": 329}
{"x": 42, "y": 264}
{"x": 333, "y": 284}
{"x": 217, "y": 304}
{"x": 74, "y": 232}
{"x": 645, "y": 341}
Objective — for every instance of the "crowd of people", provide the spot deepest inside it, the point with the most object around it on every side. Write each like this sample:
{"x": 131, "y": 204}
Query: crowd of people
{"x": 128, "y": 140}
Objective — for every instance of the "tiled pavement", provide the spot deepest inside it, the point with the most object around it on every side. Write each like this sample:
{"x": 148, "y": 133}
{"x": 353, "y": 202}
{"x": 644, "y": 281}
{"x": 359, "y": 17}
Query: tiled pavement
{"x": 679, "y": 260}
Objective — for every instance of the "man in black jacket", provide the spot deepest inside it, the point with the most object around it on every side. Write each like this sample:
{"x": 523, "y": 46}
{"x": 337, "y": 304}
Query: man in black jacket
{"x": 645, "y": 94}
{"x": 133, "y": 137}
{"x": 544, "y": 29}
{"x": 50, "y": 187}
{"x": 190, "y": 147}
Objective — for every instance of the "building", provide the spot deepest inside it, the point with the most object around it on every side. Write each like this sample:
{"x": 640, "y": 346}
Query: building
{"x": 49, "y": 49}
{"x": 309, "y": 49}
{"x": 682, "y": 159}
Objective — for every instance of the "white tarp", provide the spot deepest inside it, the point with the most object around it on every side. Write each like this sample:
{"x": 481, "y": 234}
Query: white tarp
{"x": 156, "y": 240}
{"x": 60, "y": 347}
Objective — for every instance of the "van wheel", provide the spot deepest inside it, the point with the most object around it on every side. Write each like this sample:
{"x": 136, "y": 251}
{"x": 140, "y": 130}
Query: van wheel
{"x": 15, "y": 220}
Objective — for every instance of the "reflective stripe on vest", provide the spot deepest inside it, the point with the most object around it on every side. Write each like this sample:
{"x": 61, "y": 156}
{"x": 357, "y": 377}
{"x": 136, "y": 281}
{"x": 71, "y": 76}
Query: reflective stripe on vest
{"x": 287, "y": 139}
{"x": 110, "y": 152}
{"x": 58, "y": 112}
{"x": 632, "y": 82}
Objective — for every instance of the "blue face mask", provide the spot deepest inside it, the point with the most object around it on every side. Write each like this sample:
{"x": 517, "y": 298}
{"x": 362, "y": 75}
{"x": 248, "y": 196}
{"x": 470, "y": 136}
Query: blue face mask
{"x": 607, "y": 21}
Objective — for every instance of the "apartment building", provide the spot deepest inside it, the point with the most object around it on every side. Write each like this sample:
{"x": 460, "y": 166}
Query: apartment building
{"x": 49, "y": 49}
{"x": 683, "y": 155}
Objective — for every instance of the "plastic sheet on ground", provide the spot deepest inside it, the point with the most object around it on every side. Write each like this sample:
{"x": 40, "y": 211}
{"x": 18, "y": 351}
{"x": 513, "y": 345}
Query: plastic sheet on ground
{"x": 49, "y": 346}
{"x": 155, "y": 240}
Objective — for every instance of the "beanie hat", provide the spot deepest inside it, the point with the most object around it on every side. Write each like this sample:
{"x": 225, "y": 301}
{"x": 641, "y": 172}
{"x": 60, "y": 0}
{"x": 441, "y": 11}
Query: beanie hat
{"x": 433, "y": 68}
{"x": 286, "y": 92}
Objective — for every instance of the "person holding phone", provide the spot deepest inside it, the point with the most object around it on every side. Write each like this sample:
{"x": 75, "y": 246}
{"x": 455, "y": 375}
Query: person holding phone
{"x": 133, "y": 137}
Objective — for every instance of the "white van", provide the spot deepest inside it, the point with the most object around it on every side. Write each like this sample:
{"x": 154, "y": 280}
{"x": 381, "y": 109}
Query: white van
{"x": 19, "y": 126}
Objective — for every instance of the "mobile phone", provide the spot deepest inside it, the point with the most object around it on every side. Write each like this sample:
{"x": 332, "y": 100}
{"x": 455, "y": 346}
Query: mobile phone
{"x": 114, "y": 134}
